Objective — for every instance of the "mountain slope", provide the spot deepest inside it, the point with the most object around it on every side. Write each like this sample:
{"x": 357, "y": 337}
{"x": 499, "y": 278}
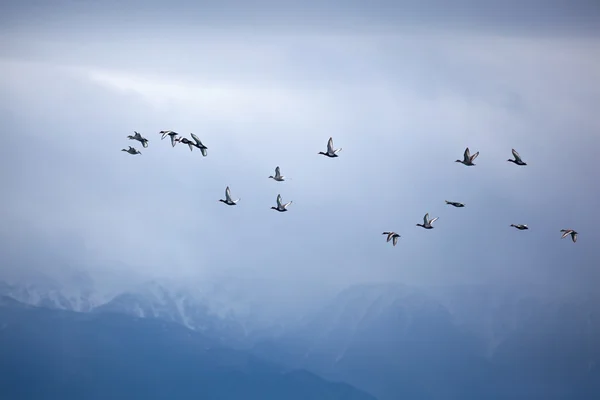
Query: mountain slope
{"x": 61, "y": 354}
{"x": 199, "y": 309}
{"x": 396, "y": 341}
{"x": 388, "y": 339}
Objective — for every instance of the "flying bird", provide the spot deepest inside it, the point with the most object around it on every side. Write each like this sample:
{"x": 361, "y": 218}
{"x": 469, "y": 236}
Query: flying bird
{"x": 139, "y": 138}
{"x": 454, "y": 203}
{"x": 172, "y": 134}
{"x": 186, "y": 141}
{"x": 517, "y": 159}
{"x": 468, "y": 158}
{"x": 131, "y": 150}
{"x": 281, "y": 207}
{"x": 228, "y": 200}
{"x": 520, "y": 227}
{"x": 567, "y": 232}
{"x": 392, "y": 236}
{"x": 278, "y": 177}
{"x": 199, "y": 145}
{"x": 427, "y": 222}
{"x": 330, "y": 151}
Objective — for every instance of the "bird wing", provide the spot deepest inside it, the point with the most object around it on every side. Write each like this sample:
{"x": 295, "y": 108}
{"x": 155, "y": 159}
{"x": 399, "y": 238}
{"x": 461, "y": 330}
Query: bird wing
{"x": 395, "y": 240}
{"x": 330, "y": 145}
{"x": 566, "y": 233}
{"x": 433, "y": 220}
{"x": 517, "y": 156}
{"x": 426, "y": 219}
{"x": 287, "y": 204}
{"x": 198, "y": 142}
{"x": 467, "y": 154}
{"x": 277, "y": 172}
{"x": 278, "y": 201}
{"x": 173, "y": 140}
{"x": 145, "y": 143}
{"x": 574, "y": 237}
{"x": 227, "y": 194}
{"x": 474, "y": 156}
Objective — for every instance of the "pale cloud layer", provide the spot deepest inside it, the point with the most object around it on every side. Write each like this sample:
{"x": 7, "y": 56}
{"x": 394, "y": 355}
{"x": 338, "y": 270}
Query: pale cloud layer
{"x": 403, "y": 104}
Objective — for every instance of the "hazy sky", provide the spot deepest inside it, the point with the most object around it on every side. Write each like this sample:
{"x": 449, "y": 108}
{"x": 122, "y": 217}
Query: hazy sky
{"x": 402, "y": 88}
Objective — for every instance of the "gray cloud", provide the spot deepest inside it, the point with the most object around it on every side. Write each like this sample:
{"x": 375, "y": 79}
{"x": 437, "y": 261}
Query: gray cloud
{"x": 508, "y": 17}
{"x": 402, "y": 106}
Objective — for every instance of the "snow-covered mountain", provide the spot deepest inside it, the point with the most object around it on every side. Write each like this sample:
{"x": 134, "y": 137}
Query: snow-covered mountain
{"x": 51, "y": 294}
{"x": 201, "y": 307}
{"x": 121, "y": 357}
{"x": 388, "y": 339}
{"x": 153, "y": 300}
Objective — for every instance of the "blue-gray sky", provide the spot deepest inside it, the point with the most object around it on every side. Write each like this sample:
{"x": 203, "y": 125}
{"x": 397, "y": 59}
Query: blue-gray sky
{"x": 402, "y": 88}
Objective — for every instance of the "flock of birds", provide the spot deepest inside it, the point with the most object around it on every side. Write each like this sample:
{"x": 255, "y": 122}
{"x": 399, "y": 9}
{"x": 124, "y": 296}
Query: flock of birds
{"x": 331, "y": 153}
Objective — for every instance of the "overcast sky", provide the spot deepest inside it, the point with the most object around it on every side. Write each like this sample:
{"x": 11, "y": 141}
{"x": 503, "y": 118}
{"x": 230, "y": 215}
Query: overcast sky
{"x": 402, "y": 88}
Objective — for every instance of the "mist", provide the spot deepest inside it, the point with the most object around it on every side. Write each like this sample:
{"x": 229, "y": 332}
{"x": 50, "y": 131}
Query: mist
{"x": 403, "y": 96}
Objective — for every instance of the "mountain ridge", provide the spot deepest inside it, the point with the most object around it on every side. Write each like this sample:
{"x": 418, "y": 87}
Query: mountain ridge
{"x": 387, "y": 339}
{"x": 71, "y": 355}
